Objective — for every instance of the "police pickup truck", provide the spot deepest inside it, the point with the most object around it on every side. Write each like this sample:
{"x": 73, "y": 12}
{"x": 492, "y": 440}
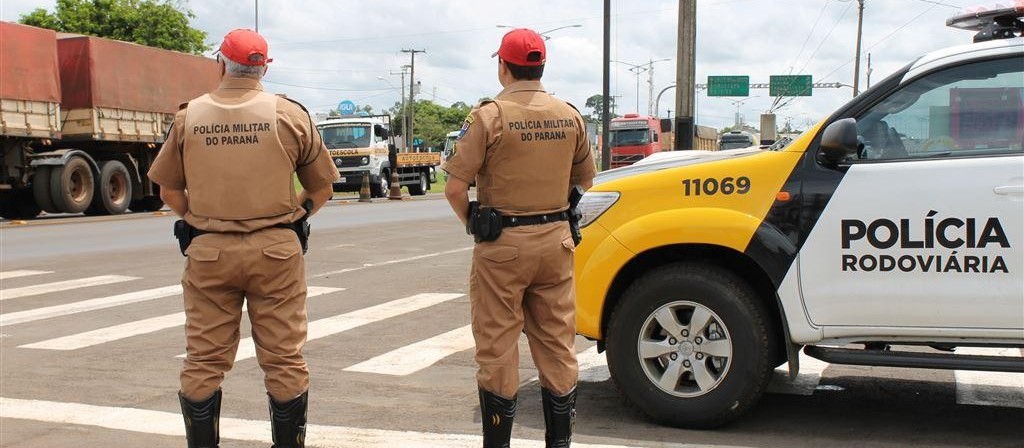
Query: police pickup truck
{"x": 890, "y": 234}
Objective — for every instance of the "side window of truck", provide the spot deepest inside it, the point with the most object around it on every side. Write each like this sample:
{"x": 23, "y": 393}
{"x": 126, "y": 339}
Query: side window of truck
{"x": 974, "y": 109}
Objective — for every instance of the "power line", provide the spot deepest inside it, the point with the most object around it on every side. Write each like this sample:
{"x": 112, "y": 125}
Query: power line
{"x": 777, "y": 102}
{"x": 335, "y": 89}
{"x": 941, "y": 4}
{"x": 879, "y": 42}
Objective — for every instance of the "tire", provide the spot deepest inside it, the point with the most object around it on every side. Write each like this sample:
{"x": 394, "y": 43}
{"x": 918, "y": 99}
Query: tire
{"x": 421, "y": 187}
{"x": 113, "y": 190}
{"x": 18, "y": 204}
{"x": 379, "y": 189}
{"x": 147, "y": 204}
{"x": 72, "y": 186}
{"x": 41, "y": 189}
{"x": 735, "y": 370}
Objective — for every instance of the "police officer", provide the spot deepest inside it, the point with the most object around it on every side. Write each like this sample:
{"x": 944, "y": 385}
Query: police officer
{"x": 524, "y": 150}
{"x": 226, "y": 167}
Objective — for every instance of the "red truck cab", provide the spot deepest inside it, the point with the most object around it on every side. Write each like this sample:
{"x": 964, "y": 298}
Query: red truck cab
{"x": 634, "y": 137}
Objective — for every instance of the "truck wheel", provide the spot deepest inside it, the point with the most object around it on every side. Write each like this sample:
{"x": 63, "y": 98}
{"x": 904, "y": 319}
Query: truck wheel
{"x": 72, "y": 186}
{"x": 147, "y": 204}
{"x": 421, "y": 187}
{"x": 690, "y": 345}
{"x": 18, "y": 204}
{"x": 41, "y": 189}
{"x": 113, "y": 190}
{"x": 380, "y": 188}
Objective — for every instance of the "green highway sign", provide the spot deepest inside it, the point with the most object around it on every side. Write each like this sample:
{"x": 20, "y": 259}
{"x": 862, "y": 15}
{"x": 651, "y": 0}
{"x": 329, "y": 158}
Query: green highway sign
{"x": 728, "y": 86}
{"x": 789, "y": 85}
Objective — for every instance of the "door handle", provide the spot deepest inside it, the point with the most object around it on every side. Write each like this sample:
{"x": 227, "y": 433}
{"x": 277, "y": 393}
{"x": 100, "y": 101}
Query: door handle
{"x": 1010, "y": 190}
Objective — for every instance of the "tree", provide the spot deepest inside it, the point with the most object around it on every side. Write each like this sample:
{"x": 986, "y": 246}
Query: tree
{"x": 156, "y": 23}
{"x": 596, "y": 103}
{"x": 432, "y": 121}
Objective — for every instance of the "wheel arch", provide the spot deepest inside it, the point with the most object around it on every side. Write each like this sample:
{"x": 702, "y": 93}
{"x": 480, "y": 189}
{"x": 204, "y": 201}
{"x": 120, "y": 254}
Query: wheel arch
{"x": 734, "y": 261}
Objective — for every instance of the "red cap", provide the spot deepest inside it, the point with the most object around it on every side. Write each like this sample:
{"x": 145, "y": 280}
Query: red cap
{"x": 522, "y": 46}
{"x": 245, "y": 47}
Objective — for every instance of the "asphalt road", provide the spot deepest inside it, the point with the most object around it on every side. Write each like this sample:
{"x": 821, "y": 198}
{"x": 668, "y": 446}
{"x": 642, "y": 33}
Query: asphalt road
{"x": 91, "y": 331}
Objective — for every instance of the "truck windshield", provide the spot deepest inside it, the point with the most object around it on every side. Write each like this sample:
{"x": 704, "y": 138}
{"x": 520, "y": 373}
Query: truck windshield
{"x": 735, "y": 141}
{"x": 347, "y": 136}
{"x": 630, "y": 137}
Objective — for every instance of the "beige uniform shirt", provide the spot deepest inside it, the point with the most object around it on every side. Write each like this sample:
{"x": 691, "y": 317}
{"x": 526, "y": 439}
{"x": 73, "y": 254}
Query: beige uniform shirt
{"x": 298, "y": 137}
{"x": 524, "y": 150}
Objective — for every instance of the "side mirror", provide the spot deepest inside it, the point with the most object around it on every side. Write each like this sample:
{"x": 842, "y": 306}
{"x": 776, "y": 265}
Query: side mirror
{"x": 666, "y": 125}
{"x": 839, "y": 140}
{"x": 381, "y": 131}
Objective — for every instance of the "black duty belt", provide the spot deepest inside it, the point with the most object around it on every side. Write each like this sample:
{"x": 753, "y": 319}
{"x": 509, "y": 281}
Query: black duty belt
{"x": 532, "y": 220}
{"x": 197, "y": 232}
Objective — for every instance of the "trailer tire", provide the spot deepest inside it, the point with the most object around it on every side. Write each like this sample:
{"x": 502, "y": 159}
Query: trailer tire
{"x": 72, "y": 186}
{"x": 421, "y": 187}
{"x": 113, "y": 190}
{"x": 41, "y": 189}
{"x": 147, "y": 204}
{"x": 18, "y": 204}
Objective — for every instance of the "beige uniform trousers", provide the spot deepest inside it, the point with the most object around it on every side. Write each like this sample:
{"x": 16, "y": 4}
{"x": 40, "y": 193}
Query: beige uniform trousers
{"x": 524, "y": 279}
{"x": 266, "y": 269}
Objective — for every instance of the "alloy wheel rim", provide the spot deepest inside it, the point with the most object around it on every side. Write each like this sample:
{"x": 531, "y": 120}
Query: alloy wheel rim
{"x": 685, "y": 349}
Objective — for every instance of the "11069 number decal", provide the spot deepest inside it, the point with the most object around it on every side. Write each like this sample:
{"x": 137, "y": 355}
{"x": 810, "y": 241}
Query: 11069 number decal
{"x": 712, "y": 186}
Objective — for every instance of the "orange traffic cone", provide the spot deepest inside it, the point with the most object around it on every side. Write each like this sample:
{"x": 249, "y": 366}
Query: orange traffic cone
{"x": 396, "y": 187}
{"x": 364, "y": 190}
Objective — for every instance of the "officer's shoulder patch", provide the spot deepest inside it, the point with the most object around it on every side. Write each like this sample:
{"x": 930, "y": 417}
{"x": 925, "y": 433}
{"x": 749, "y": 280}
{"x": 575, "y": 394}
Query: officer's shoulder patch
{"x": 572, "y": 106}
{"x": 182, "y": 106}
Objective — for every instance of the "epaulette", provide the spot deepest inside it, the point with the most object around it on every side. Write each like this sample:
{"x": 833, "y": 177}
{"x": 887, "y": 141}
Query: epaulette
{"x": 573, "y": 107}
{"x": 295, "y": 103}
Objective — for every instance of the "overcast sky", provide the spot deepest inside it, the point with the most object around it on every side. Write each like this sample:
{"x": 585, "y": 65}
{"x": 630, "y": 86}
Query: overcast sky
{"x": 328, "y": 51}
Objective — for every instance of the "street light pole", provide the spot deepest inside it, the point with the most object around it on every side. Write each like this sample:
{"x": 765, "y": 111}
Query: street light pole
{"x": 636, "y": 70}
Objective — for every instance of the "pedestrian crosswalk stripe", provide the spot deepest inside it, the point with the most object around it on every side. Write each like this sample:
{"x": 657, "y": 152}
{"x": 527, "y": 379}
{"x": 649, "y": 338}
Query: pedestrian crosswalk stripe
{"x": 990, "y": 388}
{"x": 14, "y": 293}
{"x": 170, "y": 424}
{"x": 88, "y": 305}
{"x": 15, "y": 274}
{"x": 418, "y": 356}
{"x": 117, "y": 332}
{"x": 343, "y": 322}
{"x": 805, "y": 383}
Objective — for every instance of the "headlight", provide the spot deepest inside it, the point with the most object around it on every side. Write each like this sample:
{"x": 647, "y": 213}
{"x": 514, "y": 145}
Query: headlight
{"x": 365, "y": 160}
{"x": 594, "y": 204}
{"x": 337, "y": 162}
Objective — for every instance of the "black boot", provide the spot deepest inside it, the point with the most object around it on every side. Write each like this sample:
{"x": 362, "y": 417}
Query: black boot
{"x": 288, "y": 421}
{"x": 202, "y": 421}
{"x": 496, "y": 413}
{"x": 559, "y": 418}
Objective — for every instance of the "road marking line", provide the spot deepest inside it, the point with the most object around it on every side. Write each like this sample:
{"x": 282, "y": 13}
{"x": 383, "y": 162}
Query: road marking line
{"x": 14, "y": 293}
{"x": 88, "y": 305}
{"x": 136, "y": 328}
{"x": 169, "y": 424}
{"x": 805, "y": 383}
{"x": 16, "y": 274}
{"x": 989, "y": 388}
{"x": 593, "y": 366}
{"x": 343, "y": 322}
{"x": 385, "y": 263}
{"x": 415, "y": 357}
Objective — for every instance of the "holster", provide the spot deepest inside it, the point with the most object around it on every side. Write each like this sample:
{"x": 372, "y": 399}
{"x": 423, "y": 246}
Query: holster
{"x": 184, "y": 232}
{"x": 302, "y": 228}
{"x": 575, "y": 215}
{"x": 484, "y": 223}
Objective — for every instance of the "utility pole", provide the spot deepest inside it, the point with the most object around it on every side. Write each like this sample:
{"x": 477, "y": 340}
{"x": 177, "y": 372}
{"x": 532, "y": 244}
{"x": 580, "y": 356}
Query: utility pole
{"x": 257, "y": 16}
{"x": 412, "y": 93}
{"x": 605, "y": 88}
{"x": 650, "y": 86}
{"x": 405, "y": 113}
{"x": 856, "y": 65}
{"x": 686, "y": 74}
{"x": 868, "y": 73}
